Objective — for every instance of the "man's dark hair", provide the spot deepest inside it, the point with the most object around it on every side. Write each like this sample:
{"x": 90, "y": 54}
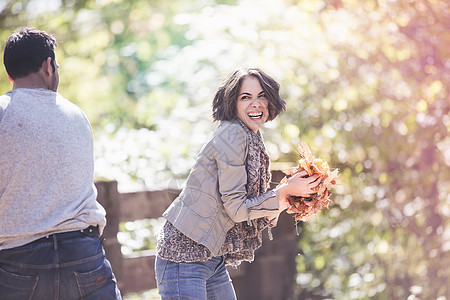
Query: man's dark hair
{"x": 26, "y": 50}
{"x": 224, "y": 103}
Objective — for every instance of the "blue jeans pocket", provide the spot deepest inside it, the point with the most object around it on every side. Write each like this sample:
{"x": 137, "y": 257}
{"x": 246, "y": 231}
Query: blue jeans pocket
{"x": 160, "y": 268}
{"x": 15, "y": 286}
{"x": 97, "y": 282}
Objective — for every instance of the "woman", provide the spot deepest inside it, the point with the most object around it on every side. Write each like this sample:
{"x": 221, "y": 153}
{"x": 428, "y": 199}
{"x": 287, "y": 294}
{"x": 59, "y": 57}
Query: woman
{"x": 219, "y": 216}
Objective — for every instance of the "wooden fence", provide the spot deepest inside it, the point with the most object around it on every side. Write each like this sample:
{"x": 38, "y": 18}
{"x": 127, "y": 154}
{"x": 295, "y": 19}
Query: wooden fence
{"x": 270, "y": 277}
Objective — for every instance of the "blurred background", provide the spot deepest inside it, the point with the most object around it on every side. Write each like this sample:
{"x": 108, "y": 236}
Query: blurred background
{"x": 367, "y": 88}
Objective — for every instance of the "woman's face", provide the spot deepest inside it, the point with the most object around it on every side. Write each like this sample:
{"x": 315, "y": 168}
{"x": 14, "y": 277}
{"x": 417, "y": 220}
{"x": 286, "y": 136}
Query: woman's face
{"x": 252, "y": 104}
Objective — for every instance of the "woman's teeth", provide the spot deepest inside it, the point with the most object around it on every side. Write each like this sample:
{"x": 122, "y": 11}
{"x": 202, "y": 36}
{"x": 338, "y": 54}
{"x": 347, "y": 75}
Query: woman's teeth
{"x": 255, "y": 115}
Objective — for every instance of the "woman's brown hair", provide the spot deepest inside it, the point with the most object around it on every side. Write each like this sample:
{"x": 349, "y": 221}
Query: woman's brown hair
{"x": 224, "y": 103}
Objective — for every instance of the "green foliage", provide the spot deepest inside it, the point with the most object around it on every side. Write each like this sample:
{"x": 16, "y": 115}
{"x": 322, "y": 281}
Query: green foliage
{"x": 366, "y": 85}
{"x": 139, "y": 235}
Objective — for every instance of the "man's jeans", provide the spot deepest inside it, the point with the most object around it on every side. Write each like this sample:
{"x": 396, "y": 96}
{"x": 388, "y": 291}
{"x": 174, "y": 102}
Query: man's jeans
{"x": 195, "y": 281}
{"x": 62, "y": 266}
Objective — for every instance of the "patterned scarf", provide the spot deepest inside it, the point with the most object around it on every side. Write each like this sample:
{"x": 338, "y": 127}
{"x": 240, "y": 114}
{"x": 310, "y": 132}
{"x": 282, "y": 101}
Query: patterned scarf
{"x": 245, "y": 237}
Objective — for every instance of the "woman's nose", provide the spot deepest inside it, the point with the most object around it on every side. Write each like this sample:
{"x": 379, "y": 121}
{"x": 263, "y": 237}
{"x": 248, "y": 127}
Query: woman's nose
{"x": 256, "y": 102}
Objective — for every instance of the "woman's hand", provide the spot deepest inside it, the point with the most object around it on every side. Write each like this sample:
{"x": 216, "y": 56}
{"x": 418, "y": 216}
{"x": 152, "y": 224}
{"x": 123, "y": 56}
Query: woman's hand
{"x": 297, "y": 185}
{"x": 302, "y": 185}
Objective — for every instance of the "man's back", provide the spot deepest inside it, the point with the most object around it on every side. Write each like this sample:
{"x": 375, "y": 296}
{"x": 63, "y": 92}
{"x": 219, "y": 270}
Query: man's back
{"x": 46, "y": 167}
{"x": 50, "y": 222}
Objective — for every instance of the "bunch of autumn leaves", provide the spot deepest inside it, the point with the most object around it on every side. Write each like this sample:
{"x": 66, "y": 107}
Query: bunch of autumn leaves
{"x": 305, "y": 207}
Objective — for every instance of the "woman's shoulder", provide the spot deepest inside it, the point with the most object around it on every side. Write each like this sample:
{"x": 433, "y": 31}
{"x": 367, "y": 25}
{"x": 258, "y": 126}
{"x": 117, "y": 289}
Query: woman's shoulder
{"x": 228, "y": 142}
{"x": 231, "y": 132}
{"x": 231, "y": 127}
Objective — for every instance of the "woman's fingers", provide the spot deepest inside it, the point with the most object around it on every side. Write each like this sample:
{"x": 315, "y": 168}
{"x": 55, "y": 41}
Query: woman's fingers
{"x": 302, "y": 173}
{"x": 314, "y": 181}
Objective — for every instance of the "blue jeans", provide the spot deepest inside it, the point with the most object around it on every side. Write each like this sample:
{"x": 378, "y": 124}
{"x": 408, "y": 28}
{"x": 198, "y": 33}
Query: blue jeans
{"x": 62, "y": 266}
{"x": 196, "y": 281}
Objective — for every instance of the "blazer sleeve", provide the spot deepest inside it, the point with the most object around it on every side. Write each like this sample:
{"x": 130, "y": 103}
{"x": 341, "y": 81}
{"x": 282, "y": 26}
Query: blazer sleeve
{"x": 231, "y": 151}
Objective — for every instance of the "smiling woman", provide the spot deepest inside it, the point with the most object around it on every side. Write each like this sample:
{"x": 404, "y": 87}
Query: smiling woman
{"x": 252, "y": 104}
{"x": 219, "y": 216}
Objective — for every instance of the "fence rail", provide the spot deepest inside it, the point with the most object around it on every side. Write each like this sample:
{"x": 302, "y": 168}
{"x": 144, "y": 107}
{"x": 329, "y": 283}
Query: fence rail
{"x": 270, "y": 277}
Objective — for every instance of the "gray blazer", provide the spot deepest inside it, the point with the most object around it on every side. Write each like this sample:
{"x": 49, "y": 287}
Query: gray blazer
{"x": 215, "y": 195}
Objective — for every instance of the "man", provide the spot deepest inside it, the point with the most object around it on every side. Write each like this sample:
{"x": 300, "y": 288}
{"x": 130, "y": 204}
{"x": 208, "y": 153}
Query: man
{"x": 50, "y": 221}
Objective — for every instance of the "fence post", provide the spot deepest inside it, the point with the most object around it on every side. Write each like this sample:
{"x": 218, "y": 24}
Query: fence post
{"x": 108, "y": 197}
{"x": 272, "y": 275}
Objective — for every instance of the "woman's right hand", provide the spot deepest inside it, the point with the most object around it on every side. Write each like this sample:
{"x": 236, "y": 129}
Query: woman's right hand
{"x": 297, "y": 185}
{"x": 302, "y": 185}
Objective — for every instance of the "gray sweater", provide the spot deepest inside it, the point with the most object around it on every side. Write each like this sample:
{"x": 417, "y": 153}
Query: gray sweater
{"x": 46, "y": 167}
